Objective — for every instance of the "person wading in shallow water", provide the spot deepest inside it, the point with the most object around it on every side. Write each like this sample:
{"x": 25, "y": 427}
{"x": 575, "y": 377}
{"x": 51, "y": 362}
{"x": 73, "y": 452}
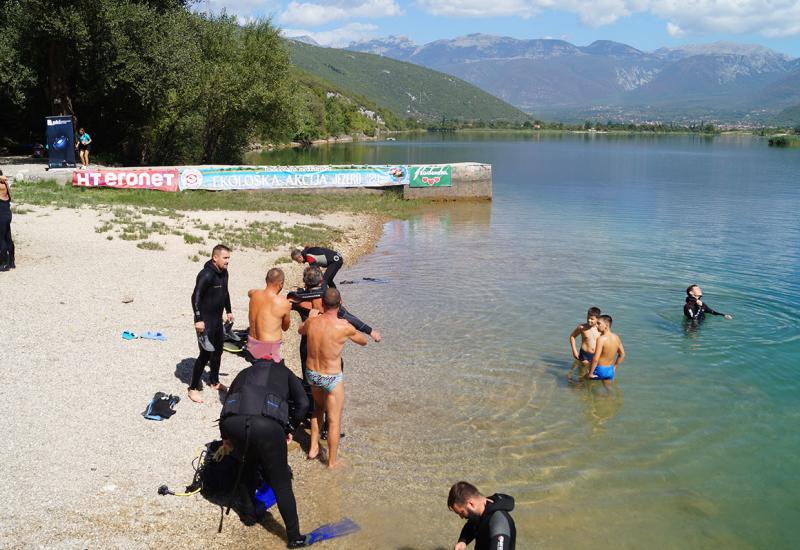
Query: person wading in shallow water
{"x": 6, "y": 243}
{"x": 209, "y": 299}
{"x": 695, "y": 309}
{"x": 489, "y": 522}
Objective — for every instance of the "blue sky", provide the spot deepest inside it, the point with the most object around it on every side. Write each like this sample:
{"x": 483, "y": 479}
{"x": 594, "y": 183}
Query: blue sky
{"x": 644, "y": 24}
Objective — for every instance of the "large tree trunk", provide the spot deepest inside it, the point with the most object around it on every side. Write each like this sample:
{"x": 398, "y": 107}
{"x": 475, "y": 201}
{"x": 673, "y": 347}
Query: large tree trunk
{"x": 58, "y": 90}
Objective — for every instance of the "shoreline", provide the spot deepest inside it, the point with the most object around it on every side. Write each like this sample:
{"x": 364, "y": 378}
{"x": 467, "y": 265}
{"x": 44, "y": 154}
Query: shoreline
{"x": 97, "y": 479}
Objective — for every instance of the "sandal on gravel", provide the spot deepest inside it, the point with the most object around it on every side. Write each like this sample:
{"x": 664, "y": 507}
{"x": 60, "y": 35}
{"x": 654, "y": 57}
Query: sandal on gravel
{"x": 128, "y": 335}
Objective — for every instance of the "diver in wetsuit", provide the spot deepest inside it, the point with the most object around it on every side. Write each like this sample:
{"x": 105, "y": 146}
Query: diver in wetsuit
{"x": 489, "y": 522}
{"x": 264, "y": 405}
{"x": 695, "y": 309}
{"x": 209, "y": 299}
{"x": 331, "y": 260}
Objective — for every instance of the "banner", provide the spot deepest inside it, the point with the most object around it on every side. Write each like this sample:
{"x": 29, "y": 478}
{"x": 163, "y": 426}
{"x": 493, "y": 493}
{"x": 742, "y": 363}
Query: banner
{"x": 434, "y": 175}
{"x": 159, "y": 180}
{"x": 60, "y": 142}
{"x": 292, "y": 177}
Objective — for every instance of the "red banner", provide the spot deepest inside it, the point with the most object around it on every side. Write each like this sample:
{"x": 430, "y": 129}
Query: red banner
{"x": 160, "y": 180}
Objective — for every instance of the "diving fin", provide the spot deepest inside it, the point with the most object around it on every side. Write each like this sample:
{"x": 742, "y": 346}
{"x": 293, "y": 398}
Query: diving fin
{"x": 341, "y": 528}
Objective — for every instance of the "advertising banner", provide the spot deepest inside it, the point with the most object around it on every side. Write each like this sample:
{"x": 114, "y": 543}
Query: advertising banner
{"x": 60, "y": 142}
{"x": 291, "y": 177}
{"x": 434, "y": 175}
{"x": 159, "y": 180}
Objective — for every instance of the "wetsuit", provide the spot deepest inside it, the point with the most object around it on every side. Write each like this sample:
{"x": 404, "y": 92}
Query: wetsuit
{"x": 495, "y": 529}
{"x": 259, "y": 434}
{"x": 6, "y": 243}
{"x": 331, "y": 260}
{"x": 209, "y": 299}
{"x": 695, "y": 313}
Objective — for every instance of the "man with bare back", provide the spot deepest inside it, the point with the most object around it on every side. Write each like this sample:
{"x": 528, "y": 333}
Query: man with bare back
{"x": 269, "y": 318}
{"x": 327, "y": 335}
{"x": 608, "y": 353}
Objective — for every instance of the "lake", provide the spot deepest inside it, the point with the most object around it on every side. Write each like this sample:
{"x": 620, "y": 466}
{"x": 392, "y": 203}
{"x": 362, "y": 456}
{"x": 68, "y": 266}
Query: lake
{"x": 696, "y": 446}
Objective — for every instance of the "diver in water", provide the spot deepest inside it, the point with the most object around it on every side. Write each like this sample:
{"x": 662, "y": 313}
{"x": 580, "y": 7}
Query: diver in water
{"x": 695, "y": 309}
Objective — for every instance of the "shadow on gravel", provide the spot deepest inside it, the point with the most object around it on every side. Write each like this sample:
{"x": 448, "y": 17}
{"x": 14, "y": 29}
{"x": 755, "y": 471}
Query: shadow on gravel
{"x": 183, "y": 372}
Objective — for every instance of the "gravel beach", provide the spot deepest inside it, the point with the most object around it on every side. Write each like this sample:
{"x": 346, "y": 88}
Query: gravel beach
{"x": 81, "y": 466}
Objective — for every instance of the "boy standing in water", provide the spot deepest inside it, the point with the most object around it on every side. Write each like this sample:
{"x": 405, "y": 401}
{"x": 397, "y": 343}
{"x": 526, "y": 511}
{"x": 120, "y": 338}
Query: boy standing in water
{"x": 588, "y": 333}
{"x": 608, "y": 353}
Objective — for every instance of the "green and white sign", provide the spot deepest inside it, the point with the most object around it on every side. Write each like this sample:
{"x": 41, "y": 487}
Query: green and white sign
{"x": 434, "y": 175}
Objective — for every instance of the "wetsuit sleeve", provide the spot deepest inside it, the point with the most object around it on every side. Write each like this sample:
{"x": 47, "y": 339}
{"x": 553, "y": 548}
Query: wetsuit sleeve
{"x": 711, "y": 311}
{"x": 228, "y": 307}
{"x": 357, "y": 323}
{"x": 467, "y": 533}
{"x": 200, "y": 287}
{"x": 300, "y": 401}
{"x": 499, "y": 532}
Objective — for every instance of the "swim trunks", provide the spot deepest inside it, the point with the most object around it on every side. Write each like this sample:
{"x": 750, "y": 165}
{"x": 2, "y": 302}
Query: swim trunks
{"x": 584, "y": 355}
{"x": 323, "y": 381}
{"x": 264, "y": 350}
{"x": 604, "y": 372}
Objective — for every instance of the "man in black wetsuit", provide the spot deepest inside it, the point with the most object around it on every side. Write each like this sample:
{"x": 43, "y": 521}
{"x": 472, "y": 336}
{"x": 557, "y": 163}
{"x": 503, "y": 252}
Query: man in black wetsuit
{"x": 489, "y": 523}
{"x": 695, "y": 309}
{"x": 209, "y": 299}
{"x": 331, "y": 260}
{"x": 264, "y": 405}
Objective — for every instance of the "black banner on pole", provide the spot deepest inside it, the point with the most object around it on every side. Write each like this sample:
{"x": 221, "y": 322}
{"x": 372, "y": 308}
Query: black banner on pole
{"x": 60, "y": 142}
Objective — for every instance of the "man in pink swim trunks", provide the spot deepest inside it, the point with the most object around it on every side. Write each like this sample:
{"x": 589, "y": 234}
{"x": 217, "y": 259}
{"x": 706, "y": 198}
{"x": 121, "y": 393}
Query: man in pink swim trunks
{"x": 269, "y": 317}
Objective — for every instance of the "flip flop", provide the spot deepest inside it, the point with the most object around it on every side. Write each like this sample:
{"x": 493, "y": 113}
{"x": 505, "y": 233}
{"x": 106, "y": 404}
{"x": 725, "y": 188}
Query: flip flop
{"x": 232, "y": 347}
{"x": 128, "y": 335}
{"x": 153, "y": 336}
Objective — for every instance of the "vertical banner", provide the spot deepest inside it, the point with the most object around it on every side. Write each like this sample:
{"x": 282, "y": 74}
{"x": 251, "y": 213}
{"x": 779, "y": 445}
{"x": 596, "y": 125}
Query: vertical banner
{"x": 60, "y": 142}
{"x": 432, "y": 175}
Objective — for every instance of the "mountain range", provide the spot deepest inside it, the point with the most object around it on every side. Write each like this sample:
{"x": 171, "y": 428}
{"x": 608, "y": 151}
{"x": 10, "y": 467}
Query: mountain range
{"x": 724, "y": 81}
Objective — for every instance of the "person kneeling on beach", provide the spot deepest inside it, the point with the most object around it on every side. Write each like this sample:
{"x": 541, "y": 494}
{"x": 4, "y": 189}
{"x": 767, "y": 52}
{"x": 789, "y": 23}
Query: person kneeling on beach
{"x": 264, "y": 405}
{"x": 489, "y": 522}
{"x": 608, "y": 354}
{"x": 327, "y": 334}
{"x": 269, "y": 318}
{"x": 331, "y": 260}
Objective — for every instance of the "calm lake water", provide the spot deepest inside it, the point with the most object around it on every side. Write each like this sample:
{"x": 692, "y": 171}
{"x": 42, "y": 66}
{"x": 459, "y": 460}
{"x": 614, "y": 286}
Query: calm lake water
{"x": 698, "y": 445}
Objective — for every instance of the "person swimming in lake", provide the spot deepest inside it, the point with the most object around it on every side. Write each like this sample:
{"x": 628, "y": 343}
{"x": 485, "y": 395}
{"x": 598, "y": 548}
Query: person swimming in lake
{"x": 588, "y": 333}
{"x": 609, "y": 353}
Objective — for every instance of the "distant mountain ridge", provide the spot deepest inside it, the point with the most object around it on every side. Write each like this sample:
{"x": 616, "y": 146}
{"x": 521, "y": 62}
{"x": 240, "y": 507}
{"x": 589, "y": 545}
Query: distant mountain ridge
{"x": 726, "y": 81}
{"x": 408, "y": 90}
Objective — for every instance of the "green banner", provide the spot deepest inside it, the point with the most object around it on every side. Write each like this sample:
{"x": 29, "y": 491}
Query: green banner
{"x": 434, "y": 175}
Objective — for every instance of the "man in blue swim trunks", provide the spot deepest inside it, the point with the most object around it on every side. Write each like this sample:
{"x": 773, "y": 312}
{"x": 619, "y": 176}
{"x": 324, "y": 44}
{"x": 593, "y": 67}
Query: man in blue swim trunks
{"x": 608, "y": 353}
{"x": 327, "y": 335}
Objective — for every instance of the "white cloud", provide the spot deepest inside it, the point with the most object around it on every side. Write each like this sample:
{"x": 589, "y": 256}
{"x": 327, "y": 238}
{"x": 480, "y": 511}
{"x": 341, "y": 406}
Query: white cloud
{"x": 313, "y": 15}
{"x": 339, "y": 37}
{"x": 771, "y": 18}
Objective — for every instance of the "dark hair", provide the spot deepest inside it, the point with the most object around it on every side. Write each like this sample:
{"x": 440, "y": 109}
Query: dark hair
{"x": 275, "y": 275}
{"x": 593, "y": 312}
{"x": 312, "y": 276}
{"x": 296, "y": 253}
{"x": 689, "y": 289}
{"x": 460, "y": 493}
{"x": 219, "y": 248}
{"x": 607, "y": 319}
{"x": 331, "y": 298}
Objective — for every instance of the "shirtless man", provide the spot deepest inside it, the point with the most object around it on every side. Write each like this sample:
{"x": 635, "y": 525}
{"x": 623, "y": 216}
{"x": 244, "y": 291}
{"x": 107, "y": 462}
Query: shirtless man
{"x": 608, "y": 353}
{"x": 269, "y": 318}
{"x": 588, "y": 333}
{"x": 327, "y": 335}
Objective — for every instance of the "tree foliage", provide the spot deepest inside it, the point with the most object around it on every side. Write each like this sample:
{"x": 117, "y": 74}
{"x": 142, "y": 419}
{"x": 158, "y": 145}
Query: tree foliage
{"x": 151, "y": 81}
